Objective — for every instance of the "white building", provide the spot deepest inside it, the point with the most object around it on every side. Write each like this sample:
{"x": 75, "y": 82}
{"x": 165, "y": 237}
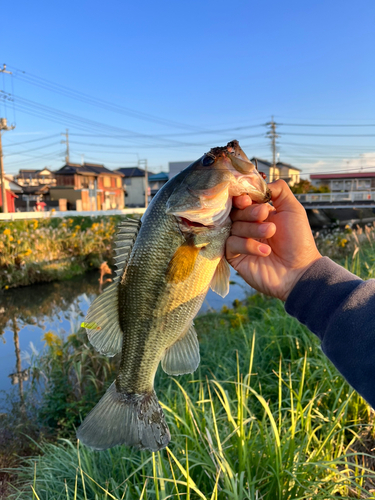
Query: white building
{"x": 134, "y": 186}
{"x": 354, "y": 181}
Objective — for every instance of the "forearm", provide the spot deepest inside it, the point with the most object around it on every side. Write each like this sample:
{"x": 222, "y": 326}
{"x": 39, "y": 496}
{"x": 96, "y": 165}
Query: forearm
{"x": 339, "y": 308}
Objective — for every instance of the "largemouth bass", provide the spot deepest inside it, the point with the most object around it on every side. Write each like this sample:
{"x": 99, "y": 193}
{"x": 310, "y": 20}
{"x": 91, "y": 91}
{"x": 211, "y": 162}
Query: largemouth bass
{"x": 166, "y": 264}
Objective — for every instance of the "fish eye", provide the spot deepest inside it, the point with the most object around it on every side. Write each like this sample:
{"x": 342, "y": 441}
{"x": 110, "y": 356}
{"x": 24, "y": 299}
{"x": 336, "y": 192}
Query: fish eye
{"x": 208, "y": 160}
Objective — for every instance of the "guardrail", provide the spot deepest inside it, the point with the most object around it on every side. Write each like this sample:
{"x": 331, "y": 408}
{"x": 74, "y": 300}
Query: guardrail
{"x": 70, "y": 213}
{"x": 351, "y": 196}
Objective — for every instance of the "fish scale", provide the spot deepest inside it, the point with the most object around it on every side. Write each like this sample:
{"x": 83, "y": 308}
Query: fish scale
{"x": 165, "y": 267}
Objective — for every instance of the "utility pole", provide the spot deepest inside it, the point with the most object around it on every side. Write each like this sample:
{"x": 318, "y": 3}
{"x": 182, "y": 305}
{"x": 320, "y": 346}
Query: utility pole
{"x": 144, "y": 163}
{"x": 3, "y": 126}
{"x": 67, "y": 145}
{"x": 273, "y": 136}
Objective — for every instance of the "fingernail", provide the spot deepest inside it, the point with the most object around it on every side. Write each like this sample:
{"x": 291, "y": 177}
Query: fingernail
{"x": 264, "y": 249}
{"x": 263, "y": 228}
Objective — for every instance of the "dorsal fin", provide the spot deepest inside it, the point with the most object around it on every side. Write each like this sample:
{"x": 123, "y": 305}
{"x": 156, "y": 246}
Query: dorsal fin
{"x": 102, "y": 320}
{"x": 127, "y": 233}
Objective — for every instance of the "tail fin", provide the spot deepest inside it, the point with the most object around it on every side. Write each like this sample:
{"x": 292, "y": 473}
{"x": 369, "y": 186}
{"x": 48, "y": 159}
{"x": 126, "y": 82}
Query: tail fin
{"x": 131, "y": 419}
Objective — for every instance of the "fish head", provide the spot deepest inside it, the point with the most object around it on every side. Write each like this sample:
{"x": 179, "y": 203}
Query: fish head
{"x": 204, "y": 191}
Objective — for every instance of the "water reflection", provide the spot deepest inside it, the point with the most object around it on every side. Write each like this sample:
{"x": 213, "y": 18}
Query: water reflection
{"x": 27, "y": 313}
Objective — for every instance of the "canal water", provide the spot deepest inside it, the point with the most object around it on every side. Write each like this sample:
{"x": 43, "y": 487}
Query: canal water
{"x": 28, "y": 313}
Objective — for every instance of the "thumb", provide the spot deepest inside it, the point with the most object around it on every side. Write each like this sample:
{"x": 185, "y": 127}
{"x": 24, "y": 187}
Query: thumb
{"x": 282, "y": 197}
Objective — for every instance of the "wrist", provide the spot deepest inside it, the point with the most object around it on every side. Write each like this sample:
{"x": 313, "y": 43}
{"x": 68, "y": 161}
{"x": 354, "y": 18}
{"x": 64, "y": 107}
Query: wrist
{"x": 296, "y": 274}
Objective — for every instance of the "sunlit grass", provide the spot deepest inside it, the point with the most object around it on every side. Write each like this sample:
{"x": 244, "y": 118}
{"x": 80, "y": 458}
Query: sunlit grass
{"x": 266, "y": 416}
{"x": 41, "y": 250}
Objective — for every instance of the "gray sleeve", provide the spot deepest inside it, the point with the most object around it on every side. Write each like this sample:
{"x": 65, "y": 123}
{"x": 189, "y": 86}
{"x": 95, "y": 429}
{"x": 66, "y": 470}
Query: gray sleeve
{"x": 339, "y": 308}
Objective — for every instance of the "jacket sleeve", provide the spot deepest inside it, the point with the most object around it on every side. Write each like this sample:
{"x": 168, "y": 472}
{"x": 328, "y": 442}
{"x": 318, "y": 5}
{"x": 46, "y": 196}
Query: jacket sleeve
{"x": 339, "y": 308}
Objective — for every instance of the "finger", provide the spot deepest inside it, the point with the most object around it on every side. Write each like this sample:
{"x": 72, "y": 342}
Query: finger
{"x": 282, "y": 197}
{"x": 242, "y": 201}
{"x": 236, "y": 246}
{"x": 253, "y": 213}
{"x": 253, "y": 229}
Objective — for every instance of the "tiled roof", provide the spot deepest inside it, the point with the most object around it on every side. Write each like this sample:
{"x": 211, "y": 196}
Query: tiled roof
{"x": 279, "y": 164}
{"x": 343, "y": 176}
{"x": 85, "y": 169}
{"x": 132, "y": 172}
{"x": 35, "y": 190}
{"x": 161, "y": 176}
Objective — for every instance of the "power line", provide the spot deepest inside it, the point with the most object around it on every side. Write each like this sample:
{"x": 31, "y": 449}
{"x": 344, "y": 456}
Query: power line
{"x": 328, "y": 135}
{"x": 54, "y": 154}
{"x": 33, "y": 149}
{"x": 326, "y": 125}
{"x": 11, "y": 144}
{"x": 80, "y": 96}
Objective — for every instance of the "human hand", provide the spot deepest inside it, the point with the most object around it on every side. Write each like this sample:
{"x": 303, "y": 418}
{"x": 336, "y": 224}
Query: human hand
{"x": 271, "y": 247}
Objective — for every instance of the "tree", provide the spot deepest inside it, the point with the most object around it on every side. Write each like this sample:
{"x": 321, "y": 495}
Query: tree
{"x": 304, "y": 186}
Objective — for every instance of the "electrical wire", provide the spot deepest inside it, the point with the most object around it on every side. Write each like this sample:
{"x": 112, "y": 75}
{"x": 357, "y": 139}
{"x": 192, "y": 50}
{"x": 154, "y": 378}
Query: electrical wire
{"x": 80, "y": 96}
{"x": 33, "y": 149}
{"x": 325, "y": 125}
{"x": 11, "y": 144}
{"x": 327, "y": 135}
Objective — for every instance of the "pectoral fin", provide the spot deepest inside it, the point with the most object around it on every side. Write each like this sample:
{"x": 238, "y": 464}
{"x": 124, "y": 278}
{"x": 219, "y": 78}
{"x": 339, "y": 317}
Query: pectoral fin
{"x": 220, "y": 281}
{"x": 183, "y": 356}
{"x": 182, "y": 263}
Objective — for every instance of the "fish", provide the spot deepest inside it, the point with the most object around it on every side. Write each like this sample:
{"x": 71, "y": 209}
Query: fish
{"x": 166, "y": 264}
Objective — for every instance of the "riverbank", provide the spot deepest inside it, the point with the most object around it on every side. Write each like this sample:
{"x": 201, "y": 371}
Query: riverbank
{"x": 37, "y": 251}
{"x": 264, "y": 416}
{"x": 50, "y": 249}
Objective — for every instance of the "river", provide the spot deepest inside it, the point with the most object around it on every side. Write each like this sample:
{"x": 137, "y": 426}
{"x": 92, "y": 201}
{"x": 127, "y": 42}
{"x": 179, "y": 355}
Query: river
{"x": 27, "y": 313}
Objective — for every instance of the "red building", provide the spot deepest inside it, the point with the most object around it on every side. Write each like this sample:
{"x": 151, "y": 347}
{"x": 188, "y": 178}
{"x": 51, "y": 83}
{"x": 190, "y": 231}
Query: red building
{"x": 88, "y": 187}
{"x": 13, "y": 190}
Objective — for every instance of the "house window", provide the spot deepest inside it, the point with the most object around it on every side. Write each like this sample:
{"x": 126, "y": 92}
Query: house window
{"x": 364, "y": 184}
{"x": 128, "y": 181}
{"x": 106, "y": 181}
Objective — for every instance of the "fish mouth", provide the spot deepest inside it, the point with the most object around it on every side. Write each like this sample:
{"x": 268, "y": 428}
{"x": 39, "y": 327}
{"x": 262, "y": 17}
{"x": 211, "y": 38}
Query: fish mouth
{"x": 192, "y": 224}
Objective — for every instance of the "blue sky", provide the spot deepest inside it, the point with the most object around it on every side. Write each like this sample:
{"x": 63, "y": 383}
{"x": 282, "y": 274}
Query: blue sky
{"x": 182, "y": 77}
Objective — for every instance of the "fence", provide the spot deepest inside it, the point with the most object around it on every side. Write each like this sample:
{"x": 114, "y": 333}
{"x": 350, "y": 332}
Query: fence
{"x": 70, "y": 213}
{"x": 351, "y": 196}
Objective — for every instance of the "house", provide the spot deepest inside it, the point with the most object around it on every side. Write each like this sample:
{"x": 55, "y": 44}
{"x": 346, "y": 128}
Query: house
{"x": 89, "y": 186}
{"x": 175, "y": 167}
{"x": 13, "y": 190}
{"x": 27, "y": 177}
{"x": 354, "y": 181}
{"x": 281, "y": 170}
{"x": 31, "y": 196}
{"x": 134, "y": 179}
{"x": 156, "y": 181}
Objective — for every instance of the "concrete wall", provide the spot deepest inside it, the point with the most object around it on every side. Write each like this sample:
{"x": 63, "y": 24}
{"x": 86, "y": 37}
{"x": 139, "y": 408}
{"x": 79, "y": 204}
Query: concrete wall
{"x": 175, "y": 167}
{"x": 135, "y": 192}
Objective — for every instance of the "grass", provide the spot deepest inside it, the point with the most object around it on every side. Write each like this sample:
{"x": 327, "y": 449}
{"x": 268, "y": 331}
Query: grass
{"x": 35, "y": 251}
{"x": 266, "y": 415}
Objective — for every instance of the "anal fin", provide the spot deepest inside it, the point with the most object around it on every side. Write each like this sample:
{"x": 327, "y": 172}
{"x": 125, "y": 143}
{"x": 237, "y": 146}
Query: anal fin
{"x": 183, "y": 356}
{"x": 220, "y": 281}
